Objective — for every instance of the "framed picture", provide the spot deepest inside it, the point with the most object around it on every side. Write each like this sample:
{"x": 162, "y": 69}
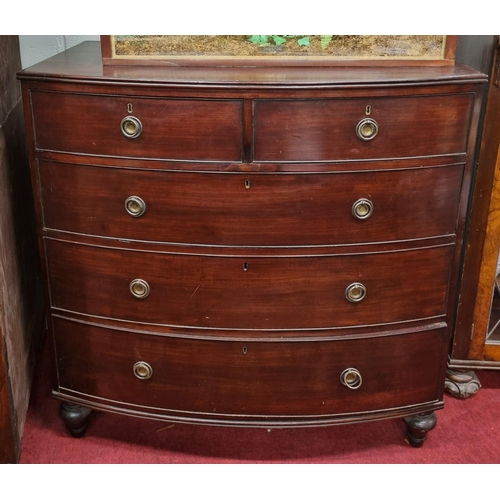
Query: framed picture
{"x": 279, "y": 50}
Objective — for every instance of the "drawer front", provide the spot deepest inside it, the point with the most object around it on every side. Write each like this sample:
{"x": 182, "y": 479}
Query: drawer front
{"x": 171, "y": 128}
{"x": 248, "y": 292}
{"x": 249, "y": 379}
{"x": 251, "y": 209}
{"x": 325, "y": 129}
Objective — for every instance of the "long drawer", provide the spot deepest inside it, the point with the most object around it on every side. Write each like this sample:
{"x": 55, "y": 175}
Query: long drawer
{"x": 251, "y": 209}
{"x": 283, "y": 292}
{"x": 171, "y": 128}
{"x": 326, "y": 129}
{"x": 241, "y": 379}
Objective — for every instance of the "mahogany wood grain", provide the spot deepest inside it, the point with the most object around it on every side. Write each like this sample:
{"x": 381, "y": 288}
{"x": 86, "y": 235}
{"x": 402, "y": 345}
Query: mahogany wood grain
{"x": 83, "y": 63}
{"x": 217, "y": 379}
{"x": 263, "y": 266}
{"x": 172, "y": 128}
{"x": 253, "y": 167}
{"x": 245, "y": 251}
{"x": 266, "y": 62}
{"x": 240, "y": 334}
{"x": 273, "y": 209}
{"x": 249, "y": 292}
{"x": 450, "y": 49}
{"x": 322, "y": 129}
{"x": 106, "y": 47}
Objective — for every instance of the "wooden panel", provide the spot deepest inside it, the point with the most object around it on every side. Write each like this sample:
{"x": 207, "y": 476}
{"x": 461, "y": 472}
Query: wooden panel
{"x": 272, "y": 378}
{"x": 273, "y": 209}
{"x": 325, "y": 129}
{"x": 21, "y": 306}
{"x": 490, "y": 158}
{"x": 492, "y": 354}
{"x": 172, "y": 128}
{"x": 249, "y": 292}
{"x": 483, "y": 239}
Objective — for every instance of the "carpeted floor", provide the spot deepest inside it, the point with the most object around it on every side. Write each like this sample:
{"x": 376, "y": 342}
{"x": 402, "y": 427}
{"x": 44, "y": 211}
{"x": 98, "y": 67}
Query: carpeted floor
{"x": 468, "y": 431}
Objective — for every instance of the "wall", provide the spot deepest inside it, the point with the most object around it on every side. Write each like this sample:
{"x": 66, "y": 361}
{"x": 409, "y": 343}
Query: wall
{"x": 36, "y": 48}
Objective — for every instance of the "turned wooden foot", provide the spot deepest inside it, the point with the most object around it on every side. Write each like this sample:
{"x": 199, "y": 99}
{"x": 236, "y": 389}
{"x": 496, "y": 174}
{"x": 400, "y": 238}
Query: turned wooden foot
{"x": 461, "y": 383}
{"x": 75, "y": 417}
{"x": 417, "y": 428}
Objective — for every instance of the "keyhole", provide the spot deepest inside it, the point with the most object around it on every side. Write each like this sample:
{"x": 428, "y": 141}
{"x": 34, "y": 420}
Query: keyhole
{"x": 245, "y": 267}
{"x": 368, "y": 110}
{"x": 245, "y": 350}
{"x": 129, "y": 108}
{"x": 247, "y": 184}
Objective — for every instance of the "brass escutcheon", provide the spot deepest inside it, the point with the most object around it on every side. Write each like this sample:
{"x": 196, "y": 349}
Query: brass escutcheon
{"x": 139, "y": 289}
{"x": 355, "y": 292}
{"x": 143, "y": 370}
{"x": 362, "y": 209}
{"x": 131, "y": 127}
{"x": 351, "y": 378}
{"x": 367, "y": 129}
{"x": 135, "y": 206}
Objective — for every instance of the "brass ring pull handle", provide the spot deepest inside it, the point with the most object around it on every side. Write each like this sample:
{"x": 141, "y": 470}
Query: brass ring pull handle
{"x": 355, "y": 292}
{"x": 367, "y": 129}
{"x": 143, "y": 370}
{"x": 362, "y": 209}
{"x": 131, "y": 127}
{"x": 351, "y": 378}
{"x": 139, "y": 289}
{"x": 135, "y": 206}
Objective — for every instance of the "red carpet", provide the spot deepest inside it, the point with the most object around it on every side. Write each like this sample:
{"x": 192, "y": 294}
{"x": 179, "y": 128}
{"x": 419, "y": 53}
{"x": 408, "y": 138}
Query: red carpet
{"x": 468, "y": 431}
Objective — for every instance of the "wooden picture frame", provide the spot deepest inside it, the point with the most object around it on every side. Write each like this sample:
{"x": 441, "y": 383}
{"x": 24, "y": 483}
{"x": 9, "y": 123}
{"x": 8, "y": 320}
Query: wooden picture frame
{"x": 109, "y": 57}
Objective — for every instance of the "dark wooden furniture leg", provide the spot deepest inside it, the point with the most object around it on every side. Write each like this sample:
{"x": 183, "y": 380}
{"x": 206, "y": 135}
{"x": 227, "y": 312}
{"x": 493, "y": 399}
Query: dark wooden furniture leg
{"x": 418, "y": 426}
{"x": 75, "y": 417}
{"x": 461, "y": 383}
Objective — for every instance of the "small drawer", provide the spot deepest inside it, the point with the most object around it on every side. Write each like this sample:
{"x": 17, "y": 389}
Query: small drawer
{"x": 361, "y": 129}
{"x": 261, "y": 293}
{"x": 251, "y": 209}
{"x": 239, "y": 379}
{"x": 134, "y": 127}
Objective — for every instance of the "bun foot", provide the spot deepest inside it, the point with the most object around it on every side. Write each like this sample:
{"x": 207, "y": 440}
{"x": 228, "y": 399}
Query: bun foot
{"x": 75, "y": 417}
{"x": 417, "y": 428}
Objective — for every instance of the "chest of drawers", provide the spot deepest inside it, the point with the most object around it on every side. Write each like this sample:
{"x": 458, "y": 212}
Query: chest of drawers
{"x": 250, "y": 247}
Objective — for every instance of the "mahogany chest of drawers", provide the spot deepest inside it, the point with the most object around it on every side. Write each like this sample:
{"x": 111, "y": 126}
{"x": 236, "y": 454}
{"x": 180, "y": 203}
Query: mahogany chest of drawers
{"x": 254, "y": 247}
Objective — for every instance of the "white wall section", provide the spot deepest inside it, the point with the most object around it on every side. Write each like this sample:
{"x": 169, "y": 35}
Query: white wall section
{"x": 36, "y": 48}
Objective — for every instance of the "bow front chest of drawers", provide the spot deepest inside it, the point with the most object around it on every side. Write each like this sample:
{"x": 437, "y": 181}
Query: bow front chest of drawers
{"x": 250, "y": 247}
